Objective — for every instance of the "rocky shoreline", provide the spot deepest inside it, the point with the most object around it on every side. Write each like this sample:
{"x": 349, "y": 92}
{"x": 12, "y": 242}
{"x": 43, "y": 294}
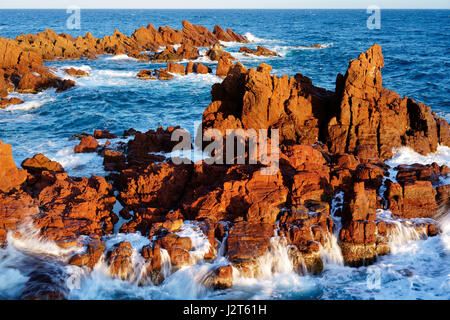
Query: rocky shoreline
{"x": 331, "y": 181}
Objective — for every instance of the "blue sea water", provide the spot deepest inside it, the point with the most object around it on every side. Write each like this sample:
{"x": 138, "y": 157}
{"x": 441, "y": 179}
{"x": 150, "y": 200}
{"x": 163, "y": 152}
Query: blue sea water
{"x": 416, "y": 49}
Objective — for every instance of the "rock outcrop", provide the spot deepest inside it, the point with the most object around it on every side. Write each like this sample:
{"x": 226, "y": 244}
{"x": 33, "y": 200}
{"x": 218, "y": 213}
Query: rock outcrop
{"x": 22, "y": 68}
{"x": 369, "y": 115}
{"x": 10, "y": 176}
{"x": 360, "y": 117}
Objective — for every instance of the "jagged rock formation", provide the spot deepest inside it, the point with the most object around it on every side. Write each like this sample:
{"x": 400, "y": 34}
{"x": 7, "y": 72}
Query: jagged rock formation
{"x": 332, "y": 145}
{"x": 361, "y": 116}
{"x": 21, "y": 59}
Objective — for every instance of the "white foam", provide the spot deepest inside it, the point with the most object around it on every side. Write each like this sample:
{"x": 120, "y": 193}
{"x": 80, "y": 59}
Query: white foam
{"x": 31, "y": 242}
{"x": 116, "y": 73}
{"x": 83, "y": 67}
{"x": 252, "y": 38}
{"x": 406, "y": 155}
{"x": 32, "y": 101}
{"x": 79, "y": 164}
{"x": 200, "y": 244}
{"x": 120, "y": 57}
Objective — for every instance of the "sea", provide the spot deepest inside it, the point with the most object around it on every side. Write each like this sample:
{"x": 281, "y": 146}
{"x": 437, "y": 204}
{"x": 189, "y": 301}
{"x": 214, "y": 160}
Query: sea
{"x": 416, "y": 50}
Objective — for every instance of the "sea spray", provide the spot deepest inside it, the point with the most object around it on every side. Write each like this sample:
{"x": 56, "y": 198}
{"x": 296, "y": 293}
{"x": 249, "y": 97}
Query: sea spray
{"x": 276, "y": 259}
{"x": 166, "y": 265}
{"x": 330, "y": 251}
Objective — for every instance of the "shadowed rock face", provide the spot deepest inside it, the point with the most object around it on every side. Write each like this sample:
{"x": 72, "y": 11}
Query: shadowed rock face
{"x": 360, "y": 115}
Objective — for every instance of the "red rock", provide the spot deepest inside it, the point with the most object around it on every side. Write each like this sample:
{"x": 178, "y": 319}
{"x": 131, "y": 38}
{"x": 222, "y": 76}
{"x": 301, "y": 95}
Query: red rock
{"x": 347, "y": 161}
{"x": 260, "y": 51}
{"x": 94, "y": 252}
{"x": 164, "y": 75}
{"x": 201, "y": 69}
{"x": 370, "y": 174}
{"x": 10, "y": 177}
{"x": 443, "y": 196}
{"x": 73, "y": 207}
{"x": 76, "y": 72}
{"x": 179, "y": 257}
{"x": 189, "y": 67}
{"x": 241, "y": 191}
{"x": 248, "y": 241}
{"x": 223, "y": 66}
{"x": 222, "y": 35}
{"x": 304, "y": 157}
{"x": 157, "y": 185}
{"x": 360, "y": 204}
{"x": 378, "y": 119}
{"x": 7, "y": 102}
{"x": 176, "y": 68}
{"x": 394, "y": 195}
{"x": 87, "y": 144}
{"x": 119, "y": 260}
{"x": 152, "y": 255}
{"x": 188, "y": 52}
{"x": 216, "y": 52}
{"x": 173, "y": 240}
{"x": 414, "y": 199}
{"x": 145, "y": 75}
{"x": 221, "y": 278}
{"x": 167, "y": 55}
{"x": 361, "y": 117}
{"x": 417, "y": 171}
{"x": 151, "y": 142}
{"x": 14, "y": 210}
{"x": 310, "y": 185}
{"x": 104, "y": 134}
{"x": 253, "y": 99}
{"x": 40, "y": 163}
{"x": 419, "y": 200}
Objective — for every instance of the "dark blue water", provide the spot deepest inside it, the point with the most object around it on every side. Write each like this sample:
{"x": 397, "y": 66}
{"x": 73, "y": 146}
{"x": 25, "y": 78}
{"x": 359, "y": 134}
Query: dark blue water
{"x": 416, "y": 48}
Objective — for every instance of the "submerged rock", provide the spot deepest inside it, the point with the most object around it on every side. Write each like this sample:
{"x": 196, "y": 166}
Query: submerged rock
{"x": 260, "y": 51}
{"x": 87, "y": 144}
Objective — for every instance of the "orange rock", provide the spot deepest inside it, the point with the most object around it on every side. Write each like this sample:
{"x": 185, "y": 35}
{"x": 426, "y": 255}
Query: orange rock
{"x": 419, "y": 200}
{"x": 119, "y": 260}
{"x": 248, "y": 241}
{"x": 76, "y": 72}
{"x": 11, "y": 101}
{"x": 223, "y": 66}
{"x": 39, "y": 163}
{"x": 202, "y": 69}
{"x": 104, "y": 134}
{"x": 87, "y": 144}
{"x": 176, "y": 68}
{"x": 374, "y": 117}
{"x": 145, "y": 75}
{"x": 10, "y": 177}
{"x": 164, "y": 75}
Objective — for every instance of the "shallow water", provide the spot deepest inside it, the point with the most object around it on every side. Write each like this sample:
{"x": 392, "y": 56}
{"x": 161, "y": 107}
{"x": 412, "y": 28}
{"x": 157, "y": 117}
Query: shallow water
{"x": 416, "y": 47}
